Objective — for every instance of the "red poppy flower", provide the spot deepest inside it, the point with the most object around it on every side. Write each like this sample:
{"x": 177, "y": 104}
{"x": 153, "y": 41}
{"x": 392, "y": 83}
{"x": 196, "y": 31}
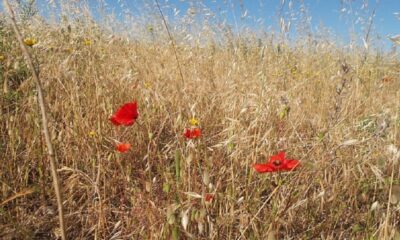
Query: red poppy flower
{"x": 192, "y": 133}
{"x": 209, "y": 197}
{"x": 125, "y": 115}
{"x": 277, "y": 163}
{"x": 123, "y": 147}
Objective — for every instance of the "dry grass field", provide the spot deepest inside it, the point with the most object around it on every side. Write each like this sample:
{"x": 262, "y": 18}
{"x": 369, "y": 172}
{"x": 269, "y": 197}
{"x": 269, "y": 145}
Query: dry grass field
{"x": 335, "y": 109}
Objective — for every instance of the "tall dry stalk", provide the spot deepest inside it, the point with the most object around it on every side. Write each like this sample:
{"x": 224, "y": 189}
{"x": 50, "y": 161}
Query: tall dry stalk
{"x": 172, "y": 41}
{"x": 50, "y": 150}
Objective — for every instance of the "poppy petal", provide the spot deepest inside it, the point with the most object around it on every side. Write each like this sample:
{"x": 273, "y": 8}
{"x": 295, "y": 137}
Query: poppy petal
{"x": 209, "y": 197}
{"x": 196, "y": 132}
{"x": 278, "y": 157}
{"x": 291, "y": 164}
{"x": 192, "y": 133}
{"x": 123, "y": 147}
{"x": 263, "y": 168}
{"x": 187, "y": 133}
{"x": 126, "y": 115}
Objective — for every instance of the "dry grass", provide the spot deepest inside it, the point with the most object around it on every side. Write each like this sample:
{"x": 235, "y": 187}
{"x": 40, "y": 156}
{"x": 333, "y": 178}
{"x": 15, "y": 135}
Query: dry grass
{"x": 344, "y": 114}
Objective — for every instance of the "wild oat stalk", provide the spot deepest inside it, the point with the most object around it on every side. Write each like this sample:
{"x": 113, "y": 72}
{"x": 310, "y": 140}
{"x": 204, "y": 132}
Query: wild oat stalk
{"x": 172, "y": 41}
{"x": 50, "y": 151}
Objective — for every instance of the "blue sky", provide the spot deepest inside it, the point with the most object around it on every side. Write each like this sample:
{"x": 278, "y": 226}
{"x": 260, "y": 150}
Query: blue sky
{"x": 262, "y": 15}
{"x": 340, "y": 18}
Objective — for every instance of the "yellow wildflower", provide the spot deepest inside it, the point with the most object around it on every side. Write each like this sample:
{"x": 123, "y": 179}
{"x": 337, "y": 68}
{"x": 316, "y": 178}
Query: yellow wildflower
{"x": 293, "y": 70}
{"x": 284, "y": 112}
{"x": 92, "y": 134}
{"x": 87, "y": 42}
{"x": 193, "y": 121}
{"x": 147, "y": 85}
{"x": 30, "y": 41}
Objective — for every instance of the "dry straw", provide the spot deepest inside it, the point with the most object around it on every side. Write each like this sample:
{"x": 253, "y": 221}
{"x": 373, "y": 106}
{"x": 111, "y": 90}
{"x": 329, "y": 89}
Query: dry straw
{"x": 42, "y": 104}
